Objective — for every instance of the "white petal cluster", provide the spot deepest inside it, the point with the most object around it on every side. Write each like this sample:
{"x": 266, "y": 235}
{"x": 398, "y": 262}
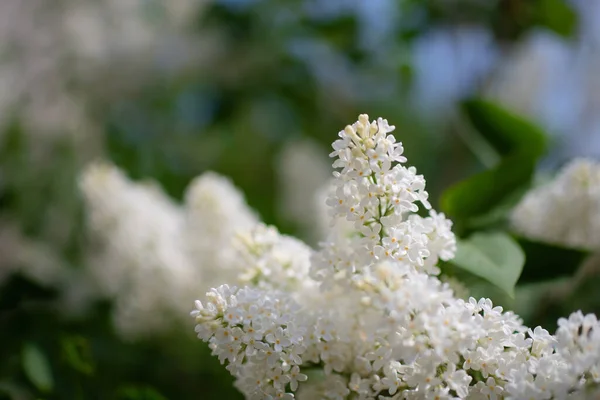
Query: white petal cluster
{"x": 51, "y": 55}
{"x": 258, "y": 333}
{"x": 379, "y": 195}
{"x": 269, "y": 260}
{"x": 565, "y": 211}
{"x": 151, "y": 255}
{"x": 215, "y": 212}
{"x": 34, "y": 259}
{"x": 382, "y": 325}
{"x": 121, "y": 28}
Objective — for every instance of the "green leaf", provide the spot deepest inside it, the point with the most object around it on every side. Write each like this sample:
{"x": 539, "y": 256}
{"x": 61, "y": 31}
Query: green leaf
{"x": 547, "y": 261}
{"x": 493, "y": 256}
{"x": 13, "y": 391}
{"x": 133, "y": 392}
{"x": 507, "y": 132}
{"x": 557, "y": 15}
{"x": 77, "y": 353}
{"x": 315, "y": 375}
{"x": 498, "y": 213}
{"x": 484, "y": 196}
{"x": 478, "y": 195}
{"x": 37, "y": 368}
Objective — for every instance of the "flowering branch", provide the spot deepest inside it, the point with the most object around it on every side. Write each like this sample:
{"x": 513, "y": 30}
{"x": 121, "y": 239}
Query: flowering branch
{"x": 369, "y": 312}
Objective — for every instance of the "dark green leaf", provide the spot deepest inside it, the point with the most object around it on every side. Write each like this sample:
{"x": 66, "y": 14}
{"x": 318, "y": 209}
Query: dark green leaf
{"x": 76, "y": 352}
{"x": 546, "y": 261}
{"x": 493, "y": 256}
{"x": 558, "y": 16}
{"x": 13, "y": 391}
{"x": 37, "y": 368}
{"x": 488, "y": 190}
{"x": 496, "y": 216}
{"x": 519, "y": 142}
{"x": 131, "y": 392}
{"x": 507, "y": 132}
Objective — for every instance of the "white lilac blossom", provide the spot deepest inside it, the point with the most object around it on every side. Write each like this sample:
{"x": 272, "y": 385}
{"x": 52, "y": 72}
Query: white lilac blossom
{"x": 36, "y": 260}
{"x": 553, "y": 81}
{"x": 121, "y": 28}
{"x": 215, "y": 211}
{"x": 382, "y": 325}
{"x": 150, "y": 254}
{"x": 380, "y": 196}
{"x": 270, "y": 260}
{"x": 139, "y": 259}
{"x": 56, "y": 58}
{"x": 564, "y": 211}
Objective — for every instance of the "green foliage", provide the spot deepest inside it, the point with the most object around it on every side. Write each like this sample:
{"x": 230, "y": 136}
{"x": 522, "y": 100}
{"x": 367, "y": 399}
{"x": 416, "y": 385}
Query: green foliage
{"x": 77, "y": 353}
{"x": 493, "y": 256}
{"x": 506, "y": 131}
{"x": 547, "y": 262}
{"x": 556, "y": 15}
{"x": 131, "y": 392}
{"x": 488, "y": 195}
{"x": 37, "y": 368}
{"x": 512, "y": 20}
{"x": 11, "y": 391}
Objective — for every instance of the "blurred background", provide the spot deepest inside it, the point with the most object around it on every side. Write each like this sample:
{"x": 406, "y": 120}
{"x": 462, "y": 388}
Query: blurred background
{"x": 255, "y": 90}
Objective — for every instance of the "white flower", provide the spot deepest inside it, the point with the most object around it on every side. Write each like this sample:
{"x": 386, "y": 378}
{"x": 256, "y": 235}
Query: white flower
{"x": 215, "y": 211}
{"x": 270, "y": 345}
{"x": 295, "y": 377}
{"x": 140, "y": 260}
{"x": 382, "y": 325}
{"x": 151, "y": 254}
{"x": 566, "y": 210}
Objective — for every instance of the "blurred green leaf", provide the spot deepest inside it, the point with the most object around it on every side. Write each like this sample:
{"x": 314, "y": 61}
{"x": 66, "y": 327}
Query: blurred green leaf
{"x": 13, "y": 391}
{"x": 131, "y": 392}
{"x": 557, "y": 15}
{"x": 491, "y": 193}
{"x": 37, "y": 368}
{"x": 495, "y": 217}
{"x": 76, "y": 351}
{"x": 482, "y": 193}
{"x": 315, "y": 375}
{"x": 493, "y": 256}
{"x": 546, "y": 261}
{"x": 504, "y": 130}
{"x": 340, "y": 32}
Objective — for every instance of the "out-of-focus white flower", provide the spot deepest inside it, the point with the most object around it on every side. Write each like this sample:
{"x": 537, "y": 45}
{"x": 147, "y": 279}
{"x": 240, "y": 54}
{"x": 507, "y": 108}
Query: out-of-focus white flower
{"x": 303, "y": 172}
{"x": 215, "y": 212}
{"x": 153, "y": 255}
{"x": 564, "y": 211}
{"x": 100, "y": 31}
{"x": 554, "y": 81}
{"x": 54, "y": 53}
{"x": 382, "y": 325}
{"x": 33, "y": 259}
{"x": 33, "y": 78}
{"x": 140, "y": 260}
